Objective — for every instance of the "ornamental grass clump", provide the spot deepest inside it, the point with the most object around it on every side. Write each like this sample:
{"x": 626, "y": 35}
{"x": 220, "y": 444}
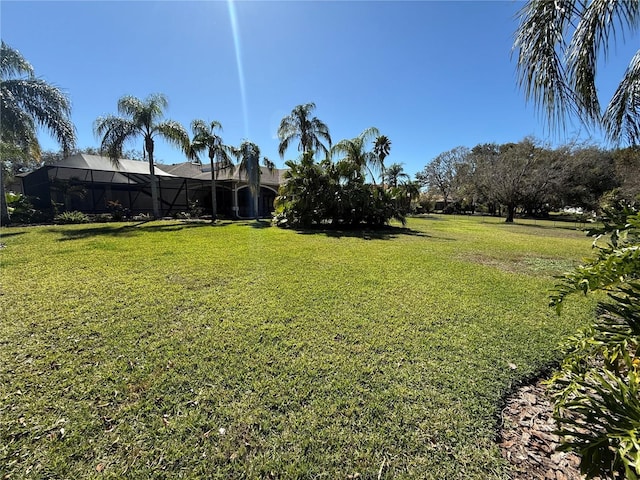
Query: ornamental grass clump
{"x": 71, "y": 217}
{"x": 596, "y": 393}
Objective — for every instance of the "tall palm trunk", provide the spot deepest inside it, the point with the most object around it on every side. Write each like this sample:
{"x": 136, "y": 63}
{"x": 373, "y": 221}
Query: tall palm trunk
{"x": 256, "y": 211}
{"x": 4, "y": 209}
{"x": 154, "y": 179}
{"x": 214, "y": 200}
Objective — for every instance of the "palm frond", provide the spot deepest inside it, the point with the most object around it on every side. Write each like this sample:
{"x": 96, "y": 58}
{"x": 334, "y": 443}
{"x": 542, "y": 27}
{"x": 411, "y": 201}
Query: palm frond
{"x": 540, "y": 69}
{"x": 622, "y": 117}
{"x": 115, "y": 132}
{"x": 130, "y": 106}
{"x": 194, "y": 149}
{"x": 560, "y": 75}
{"x": 285, "y": 140}
{"x": 215, "y": 125}
{"x": 369, "y": 134}
{"x": 224, "y": 162}
{"x": 594, "y": 32}
{"x": 321, "y": 133}
{"x": 12, "y": 63}
{"x": 206, "y": 139}
{"x": 249, "y": 156}
{"x": 382, "y": 146}
{"x": 199, "y": 127}
{"x": 45, "y": 104}
{"x": 174, "y": 133}
{"x": 145, "y": 113}
{"x": 17, "y": 125}
{"x": 311, "y": 132}
{"x": 271, "y": 166}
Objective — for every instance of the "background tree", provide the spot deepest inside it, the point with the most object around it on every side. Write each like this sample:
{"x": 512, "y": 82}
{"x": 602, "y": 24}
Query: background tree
{"x": 310, "y": 131}
{"x": 395, "y": 174}
{"x": 27, "y": 102}
{"x": 440, "y": 173}
{"x": 248, "y": 154}
{"x": 586, "y": 173}
{"x": 206, "y": 139}
{"x": 140, "y": 118}
{"x": 559, "y": 45}
{"x": 381, "y": 149}
{"x": 627, "y": 168}
{"x": 503, "y": 172}
{"x": 543, "y": 178}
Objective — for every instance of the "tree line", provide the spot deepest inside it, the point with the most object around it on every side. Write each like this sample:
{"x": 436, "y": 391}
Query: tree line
{"x": 531, "y": 177}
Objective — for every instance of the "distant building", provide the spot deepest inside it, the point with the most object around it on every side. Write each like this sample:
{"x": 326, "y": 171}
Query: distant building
{"x": 88, "y": 183}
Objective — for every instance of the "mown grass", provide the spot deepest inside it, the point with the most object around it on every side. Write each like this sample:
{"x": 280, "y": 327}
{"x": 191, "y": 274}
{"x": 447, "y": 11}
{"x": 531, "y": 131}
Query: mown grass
{"x": 176, "y": 350}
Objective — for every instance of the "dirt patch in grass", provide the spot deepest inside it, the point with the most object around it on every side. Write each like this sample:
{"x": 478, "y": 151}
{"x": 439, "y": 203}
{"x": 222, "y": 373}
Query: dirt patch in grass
{"x": 528, "y": 265}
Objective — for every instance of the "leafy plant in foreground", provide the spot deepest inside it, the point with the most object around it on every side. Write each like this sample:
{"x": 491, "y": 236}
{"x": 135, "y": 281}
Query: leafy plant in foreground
{"x": 596, "y": 393}
{"x": 22, "y": 210}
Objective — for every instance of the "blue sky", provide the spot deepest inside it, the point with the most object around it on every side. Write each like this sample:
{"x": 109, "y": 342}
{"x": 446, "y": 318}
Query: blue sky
{"x": 429, "y": 75}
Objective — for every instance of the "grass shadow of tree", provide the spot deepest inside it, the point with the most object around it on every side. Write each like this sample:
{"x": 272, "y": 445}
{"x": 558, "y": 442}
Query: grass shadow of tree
{"x": 126, "y": 230}
{"x": 254, "y": 223}
{"x": 10, "y": 234}
{"x": 382, "y": 233}
{"x": 548, "y": 230}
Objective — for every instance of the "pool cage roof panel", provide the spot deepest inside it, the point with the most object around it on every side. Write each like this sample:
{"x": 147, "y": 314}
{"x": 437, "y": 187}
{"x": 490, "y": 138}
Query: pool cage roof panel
{"x": 83, "y": 161}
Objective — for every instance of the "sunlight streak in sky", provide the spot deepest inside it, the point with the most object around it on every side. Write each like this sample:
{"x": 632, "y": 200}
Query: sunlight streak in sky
{"x": 236, "y": 42}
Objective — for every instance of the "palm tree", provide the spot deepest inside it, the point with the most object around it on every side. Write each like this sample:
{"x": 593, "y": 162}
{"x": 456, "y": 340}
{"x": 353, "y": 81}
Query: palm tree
{"x": 355, "y": 156}
{"x": 395, "y": 174}
{"x": 382, "y": 148}
{"x": 26, "y": 103}
{"x": 140, "y": 118}
{"x": 248, "y": 154}
{"x": 310, "y": 131}
{"x": 559, "y": 44}
{"x": 206, "y": 138}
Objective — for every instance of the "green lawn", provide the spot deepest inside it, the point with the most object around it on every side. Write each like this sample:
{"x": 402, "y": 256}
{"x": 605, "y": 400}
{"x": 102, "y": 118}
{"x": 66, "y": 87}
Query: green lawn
{"x": 177, "y": 350}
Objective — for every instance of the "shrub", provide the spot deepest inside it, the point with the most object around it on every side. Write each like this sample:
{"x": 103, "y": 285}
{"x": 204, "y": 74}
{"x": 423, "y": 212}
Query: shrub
{"x": 195, "y": 210}
{"x": 117, "y": 211}
{"x": 21, "y": 209}
{"x": 596, "y": 393}
{"x": 71, "y": 217}
{"x": 101, "y": 218}
{"x": 325, "y": 193}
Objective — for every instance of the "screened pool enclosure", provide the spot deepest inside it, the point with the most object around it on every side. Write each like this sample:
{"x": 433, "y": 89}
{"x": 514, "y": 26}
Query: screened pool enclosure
{"x": 90, "y": 183}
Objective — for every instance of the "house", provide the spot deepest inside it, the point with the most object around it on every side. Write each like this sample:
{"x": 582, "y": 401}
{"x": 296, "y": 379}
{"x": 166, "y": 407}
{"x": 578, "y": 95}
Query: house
{"x": 88, "y": 183}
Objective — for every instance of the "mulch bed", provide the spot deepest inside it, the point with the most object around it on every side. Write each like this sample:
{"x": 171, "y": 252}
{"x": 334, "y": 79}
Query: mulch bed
{"x": 527, "y": 440}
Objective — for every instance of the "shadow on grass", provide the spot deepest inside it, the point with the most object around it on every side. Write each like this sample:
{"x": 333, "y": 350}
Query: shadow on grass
{"x": 10, "y": 234}
{"x": 428, "y": 216}
{"x": 557, "y": 225}
{"x": 260, "y": 223}
{"x": 126, "y": 230}
{"x": 382, "y": 233}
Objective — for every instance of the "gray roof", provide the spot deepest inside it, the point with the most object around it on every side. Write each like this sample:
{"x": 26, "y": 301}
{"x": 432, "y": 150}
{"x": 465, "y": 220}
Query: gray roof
{"x": 94, "y": 162}
{"x": 190, "y": 170}
{"x": 81, "y": 161}
{"x": 187, "y": 170}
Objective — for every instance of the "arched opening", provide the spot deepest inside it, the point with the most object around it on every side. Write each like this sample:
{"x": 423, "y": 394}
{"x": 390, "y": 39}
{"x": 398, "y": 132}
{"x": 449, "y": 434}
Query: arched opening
{"x": 265, "y": 202}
